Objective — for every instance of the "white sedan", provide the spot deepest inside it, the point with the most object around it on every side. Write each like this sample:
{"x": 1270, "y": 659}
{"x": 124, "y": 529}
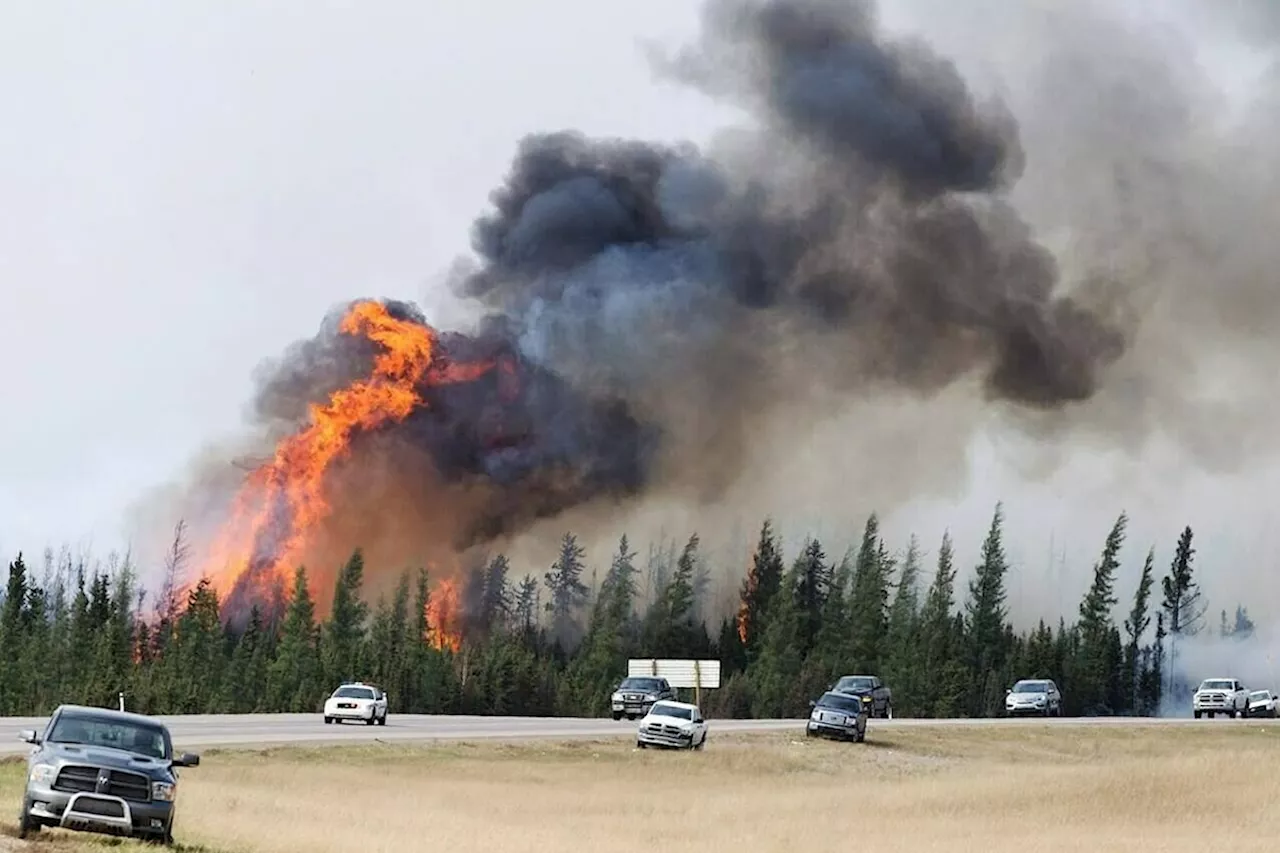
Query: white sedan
{"x": 358, "y": 701}
{"x": 672, "y": 724}
{"x": 1262, "y": 703}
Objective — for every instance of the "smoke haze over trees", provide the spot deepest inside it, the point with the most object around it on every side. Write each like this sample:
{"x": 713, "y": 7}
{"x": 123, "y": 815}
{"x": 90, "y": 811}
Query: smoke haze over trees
{"x": 532, "y": 640}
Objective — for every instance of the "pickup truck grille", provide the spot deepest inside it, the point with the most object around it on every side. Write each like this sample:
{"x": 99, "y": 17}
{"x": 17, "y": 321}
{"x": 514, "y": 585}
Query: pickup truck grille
{"x": 75, "y": 779}
{"x": 1205, "y": 700}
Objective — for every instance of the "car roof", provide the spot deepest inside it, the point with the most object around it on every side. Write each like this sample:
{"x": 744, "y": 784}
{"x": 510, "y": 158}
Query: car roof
{"x": 109, "y": 714}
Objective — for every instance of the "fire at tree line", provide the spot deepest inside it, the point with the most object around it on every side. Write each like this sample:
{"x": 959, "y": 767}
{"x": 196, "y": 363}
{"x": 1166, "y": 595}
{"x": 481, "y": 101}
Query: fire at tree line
{"x": 554, "y": 646}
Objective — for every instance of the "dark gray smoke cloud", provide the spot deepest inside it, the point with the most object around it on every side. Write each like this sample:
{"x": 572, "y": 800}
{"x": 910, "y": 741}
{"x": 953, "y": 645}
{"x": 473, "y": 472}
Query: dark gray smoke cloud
{"x": 854, "y": 235}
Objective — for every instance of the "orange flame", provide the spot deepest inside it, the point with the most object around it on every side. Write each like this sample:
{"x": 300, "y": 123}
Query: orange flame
{"x": 443, "y": 617}
{"x": 283, "y": 500}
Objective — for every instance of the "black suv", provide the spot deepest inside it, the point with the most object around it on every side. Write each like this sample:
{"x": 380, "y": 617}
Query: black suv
{"x": 98, "y": 770}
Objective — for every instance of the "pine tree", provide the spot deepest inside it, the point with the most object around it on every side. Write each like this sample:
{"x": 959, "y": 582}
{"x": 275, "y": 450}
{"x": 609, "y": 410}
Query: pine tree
{"x": 940, "y": 634}
{"x": 869, "y": 601}
{"x": 12, "y": 640}
{"x": 295, "y": 675}
{"x": 568, "y": 592}
{"x": 343, "y": 638}
{"x": 1094, "y": 671}
{"x": 759, "y": 589}
{"x": 1182, "y": 607}
{"x": 813, "y": 579}
{"x": 986, "y": 615}
{"x": 1135, "y": 628}
{"x": 671, "y": 631}
{"x": 902, "y": 664}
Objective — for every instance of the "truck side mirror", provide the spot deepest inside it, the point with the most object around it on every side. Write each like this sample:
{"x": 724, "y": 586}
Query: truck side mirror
{"x": 29, "y": 736}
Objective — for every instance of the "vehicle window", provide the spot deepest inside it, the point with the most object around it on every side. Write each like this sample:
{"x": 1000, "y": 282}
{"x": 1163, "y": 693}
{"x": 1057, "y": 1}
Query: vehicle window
{"x": 838, "y": 702}
{"x": 1260, "y": 694}
{"x": 1216, "y": 684}
{"x": 855, "y": 682}
{"x": 648, "y": 685}
{"x": 353, "y": 693}
{"x": 668, "y": 710}
{"x": 112, "y": 734}
{"x": 1030, "y": 687}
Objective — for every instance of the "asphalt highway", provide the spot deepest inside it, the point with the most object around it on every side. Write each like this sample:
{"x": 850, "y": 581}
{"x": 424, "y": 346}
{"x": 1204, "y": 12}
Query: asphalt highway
{"x": 258, "y": 730}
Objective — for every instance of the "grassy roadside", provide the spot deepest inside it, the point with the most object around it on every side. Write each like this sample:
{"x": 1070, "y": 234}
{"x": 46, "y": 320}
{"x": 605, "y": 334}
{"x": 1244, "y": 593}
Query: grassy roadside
{"x": 955, "y": 788}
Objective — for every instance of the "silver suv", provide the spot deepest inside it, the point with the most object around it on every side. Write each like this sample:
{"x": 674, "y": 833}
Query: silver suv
{"x": 1038, "y": 696}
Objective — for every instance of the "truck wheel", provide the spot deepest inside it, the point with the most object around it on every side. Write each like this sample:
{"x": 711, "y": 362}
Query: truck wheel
{"x": 26, "y": 826}
{"x": 1212, "y": 714}
{"x": 617, "y": 715}
{"x": 1232, "y": 714}
{"x": 382, "y": 721}
{"x": 328, "y": 721}
{"x": 860, "y": 736}
{"x": 1197, "y": 713}
{"x": 641, "y": 745}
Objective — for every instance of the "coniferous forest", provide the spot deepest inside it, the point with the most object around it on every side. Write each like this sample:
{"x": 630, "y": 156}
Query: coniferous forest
{"x": 548, "y": 642}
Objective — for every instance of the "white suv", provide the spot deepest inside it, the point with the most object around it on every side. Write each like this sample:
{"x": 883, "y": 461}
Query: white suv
{"x": 1220, "y": 696}
{"x": 356, "y": 700}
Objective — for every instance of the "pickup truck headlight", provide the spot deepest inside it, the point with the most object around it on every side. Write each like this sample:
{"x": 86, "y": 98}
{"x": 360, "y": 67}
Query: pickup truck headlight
{"x": 163, "y": 791}
{"x": 43, "y": 774}
{"x": 651, "y": 697}
{"x": 866, "y": 699}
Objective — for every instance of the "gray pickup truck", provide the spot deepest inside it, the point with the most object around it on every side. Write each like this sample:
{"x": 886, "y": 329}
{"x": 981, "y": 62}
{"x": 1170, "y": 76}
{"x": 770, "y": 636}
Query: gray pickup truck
{"x": 103, "y": 771}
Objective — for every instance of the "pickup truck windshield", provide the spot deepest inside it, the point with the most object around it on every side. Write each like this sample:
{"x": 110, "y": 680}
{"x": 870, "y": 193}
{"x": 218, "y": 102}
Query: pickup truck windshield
{"x": 838, "y": 702}
{"x": 666, "y": 710}
{"x": 1216, "y": 685}
{"x": 854, "y": 682}
{"x": 649, "y": 685}
{"x": 113, "y": 734}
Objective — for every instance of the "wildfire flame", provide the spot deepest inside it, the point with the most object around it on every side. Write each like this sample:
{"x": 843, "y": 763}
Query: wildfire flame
{"x": 282, "y": 501}
{"x": 443, "y": 617}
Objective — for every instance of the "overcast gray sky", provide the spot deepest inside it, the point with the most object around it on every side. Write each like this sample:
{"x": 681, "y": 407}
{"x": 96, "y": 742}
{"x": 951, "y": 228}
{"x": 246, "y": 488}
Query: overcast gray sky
{"x": 188, "y": 187}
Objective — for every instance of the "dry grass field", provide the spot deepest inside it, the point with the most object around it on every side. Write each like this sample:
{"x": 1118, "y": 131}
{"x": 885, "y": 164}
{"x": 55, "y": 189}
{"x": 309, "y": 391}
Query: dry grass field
{"x": 1029, "y": 789}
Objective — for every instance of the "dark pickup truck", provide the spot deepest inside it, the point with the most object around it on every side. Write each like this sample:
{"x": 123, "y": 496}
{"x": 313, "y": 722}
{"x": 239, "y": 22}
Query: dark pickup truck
{"x": 104, "y": 771}
{"x": 875, "y": 694}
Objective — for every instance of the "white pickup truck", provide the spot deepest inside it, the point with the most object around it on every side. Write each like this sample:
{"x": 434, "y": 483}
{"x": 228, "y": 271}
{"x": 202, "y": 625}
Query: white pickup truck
{"x": 1220, "y": 696}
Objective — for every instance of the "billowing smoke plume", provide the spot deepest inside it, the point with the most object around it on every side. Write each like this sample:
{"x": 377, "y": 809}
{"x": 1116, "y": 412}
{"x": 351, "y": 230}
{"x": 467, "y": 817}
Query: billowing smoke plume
{"x": 876, "y": 230}
{"x": 854, "y": 236}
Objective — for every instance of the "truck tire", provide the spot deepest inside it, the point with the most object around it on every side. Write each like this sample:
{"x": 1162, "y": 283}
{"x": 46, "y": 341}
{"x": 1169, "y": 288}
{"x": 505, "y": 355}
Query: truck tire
{"x": 26, "y": 826}
{"x": 1232, "y": 713}
{"x": 1197, "y": 713}
{"x": 617, "y": 715}
{"x": 382, "y": 721}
